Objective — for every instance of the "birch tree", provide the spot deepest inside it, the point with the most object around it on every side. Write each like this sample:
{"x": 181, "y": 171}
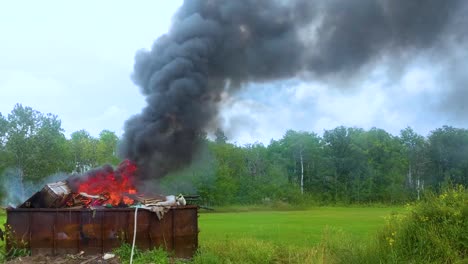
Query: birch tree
{"x": 303, "y": 148}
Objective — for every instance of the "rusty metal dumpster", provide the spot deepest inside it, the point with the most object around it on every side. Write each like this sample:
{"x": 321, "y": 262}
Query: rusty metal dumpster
{"x": 70, "y": 231}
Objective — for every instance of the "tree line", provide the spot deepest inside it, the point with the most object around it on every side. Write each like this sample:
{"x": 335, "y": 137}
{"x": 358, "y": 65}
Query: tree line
{"x": 344, "y": 165}
{"x": 33, "y": 147}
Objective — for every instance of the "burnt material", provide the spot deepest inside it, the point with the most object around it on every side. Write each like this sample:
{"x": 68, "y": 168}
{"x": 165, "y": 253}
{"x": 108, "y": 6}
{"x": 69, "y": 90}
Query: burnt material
{"x": 69, "y": 231}
{"x": 53, "y": 195}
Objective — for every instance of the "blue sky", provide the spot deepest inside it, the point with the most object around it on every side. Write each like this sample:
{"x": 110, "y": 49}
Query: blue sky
{"x": 75, "y": 58}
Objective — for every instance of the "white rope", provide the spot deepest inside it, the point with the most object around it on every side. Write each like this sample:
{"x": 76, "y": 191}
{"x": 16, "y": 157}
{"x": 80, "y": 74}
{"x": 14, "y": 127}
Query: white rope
{"x": 134, "y": 235}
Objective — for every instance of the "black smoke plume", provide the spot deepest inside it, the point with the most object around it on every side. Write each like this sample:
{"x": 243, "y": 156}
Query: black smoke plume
{"x": 215, "y": 46}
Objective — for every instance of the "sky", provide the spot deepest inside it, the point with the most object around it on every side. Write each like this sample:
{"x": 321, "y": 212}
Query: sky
{"x": 74, "y": 59}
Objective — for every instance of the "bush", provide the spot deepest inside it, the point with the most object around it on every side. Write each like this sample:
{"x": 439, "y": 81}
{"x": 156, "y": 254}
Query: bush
{"x": 16, "y": 249}
{"x": 434, "y": 231}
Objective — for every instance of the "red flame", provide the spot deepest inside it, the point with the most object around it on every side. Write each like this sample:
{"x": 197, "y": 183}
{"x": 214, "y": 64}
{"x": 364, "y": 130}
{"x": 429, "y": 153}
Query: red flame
{"x": 111, "y": 184}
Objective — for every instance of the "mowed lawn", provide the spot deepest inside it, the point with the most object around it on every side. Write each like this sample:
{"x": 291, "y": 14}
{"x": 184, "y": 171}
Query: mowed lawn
{"x": 295, "y": 228}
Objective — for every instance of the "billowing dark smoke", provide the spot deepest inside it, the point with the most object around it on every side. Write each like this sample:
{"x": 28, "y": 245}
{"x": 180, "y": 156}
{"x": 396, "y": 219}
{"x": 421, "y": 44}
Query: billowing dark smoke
{"x": 215, "y": 46}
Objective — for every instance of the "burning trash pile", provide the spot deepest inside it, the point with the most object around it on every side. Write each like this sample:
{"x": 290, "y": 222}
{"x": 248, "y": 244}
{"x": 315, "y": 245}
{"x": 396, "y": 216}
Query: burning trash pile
{"x": 105, "y": 187}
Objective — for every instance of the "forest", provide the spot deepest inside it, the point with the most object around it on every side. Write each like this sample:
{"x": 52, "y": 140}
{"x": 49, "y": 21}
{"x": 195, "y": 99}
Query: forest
{"x": 343, "y": 165}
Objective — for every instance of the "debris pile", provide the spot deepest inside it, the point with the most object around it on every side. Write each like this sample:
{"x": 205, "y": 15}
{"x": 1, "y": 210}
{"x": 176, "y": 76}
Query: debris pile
{"x": 102, "y": 188}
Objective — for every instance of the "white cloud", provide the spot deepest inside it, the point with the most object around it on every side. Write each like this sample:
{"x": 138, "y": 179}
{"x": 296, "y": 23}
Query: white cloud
{"x": 381, "y": 100}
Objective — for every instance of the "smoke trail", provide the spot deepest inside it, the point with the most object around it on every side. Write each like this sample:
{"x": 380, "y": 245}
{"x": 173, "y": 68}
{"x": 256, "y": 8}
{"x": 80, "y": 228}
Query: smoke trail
{"x": 12, "y": 188}
{"x": 14, "y": 191}
{"x": 214, "y": 47}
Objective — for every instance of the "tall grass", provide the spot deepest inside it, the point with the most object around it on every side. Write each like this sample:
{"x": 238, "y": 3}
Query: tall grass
{"x": 248, "y": 251}
{"x": 434, "y": 230}
{"x": 2, "y": 243}
{"x": 155, "y": 256}
{"x": 236, "y": 251}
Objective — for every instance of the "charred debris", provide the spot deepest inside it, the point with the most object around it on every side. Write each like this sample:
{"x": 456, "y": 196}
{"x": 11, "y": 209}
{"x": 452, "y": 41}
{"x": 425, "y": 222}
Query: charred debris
{"x": 104, "y": 188}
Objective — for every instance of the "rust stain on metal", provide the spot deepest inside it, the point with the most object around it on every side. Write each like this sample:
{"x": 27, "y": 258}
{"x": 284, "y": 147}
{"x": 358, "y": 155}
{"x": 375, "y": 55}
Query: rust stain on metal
{"x": 69, "y": 231}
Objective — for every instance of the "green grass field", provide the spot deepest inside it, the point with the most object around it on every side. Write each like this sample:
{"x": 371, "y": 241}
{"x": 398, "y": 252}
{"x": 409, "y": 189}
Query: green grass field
{"x": 295, "y": 228}
{"x": 277, "y": 236}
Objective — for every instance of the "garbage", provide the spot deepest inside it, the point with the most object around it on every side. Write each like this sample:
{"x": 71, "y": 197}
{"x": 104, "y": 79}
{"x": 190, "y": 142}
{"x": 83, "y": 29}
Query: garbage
{"x": 105, "y": 187}
{"x": 108, "y": 256}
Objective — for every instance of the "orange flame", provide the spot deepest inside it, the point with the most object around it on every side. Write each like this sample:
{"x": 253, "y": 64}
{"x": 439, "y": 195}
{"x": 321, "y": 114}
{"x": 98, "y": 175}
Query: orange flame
{"x": 112, "y": 184}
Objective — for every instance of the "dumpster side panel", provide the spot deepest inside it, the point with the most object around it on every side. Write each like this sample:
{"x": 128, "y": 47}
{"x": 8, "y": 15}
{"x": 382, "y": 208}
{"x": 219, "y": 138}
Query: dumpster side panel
{"x": 67, "y": 231}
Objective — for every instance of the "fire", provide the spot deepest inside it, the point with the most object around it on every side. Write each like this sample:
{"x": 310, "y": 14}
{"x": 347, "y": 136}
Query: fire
{"x": 112, "y": 185}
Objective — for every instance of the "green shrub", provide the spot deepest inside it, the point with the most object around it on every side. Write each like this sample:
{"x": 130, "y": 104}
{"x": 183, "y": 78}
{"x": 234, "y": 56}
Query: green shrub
{"x": 434, "y": 230}
{"x": 16, "y": 249}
